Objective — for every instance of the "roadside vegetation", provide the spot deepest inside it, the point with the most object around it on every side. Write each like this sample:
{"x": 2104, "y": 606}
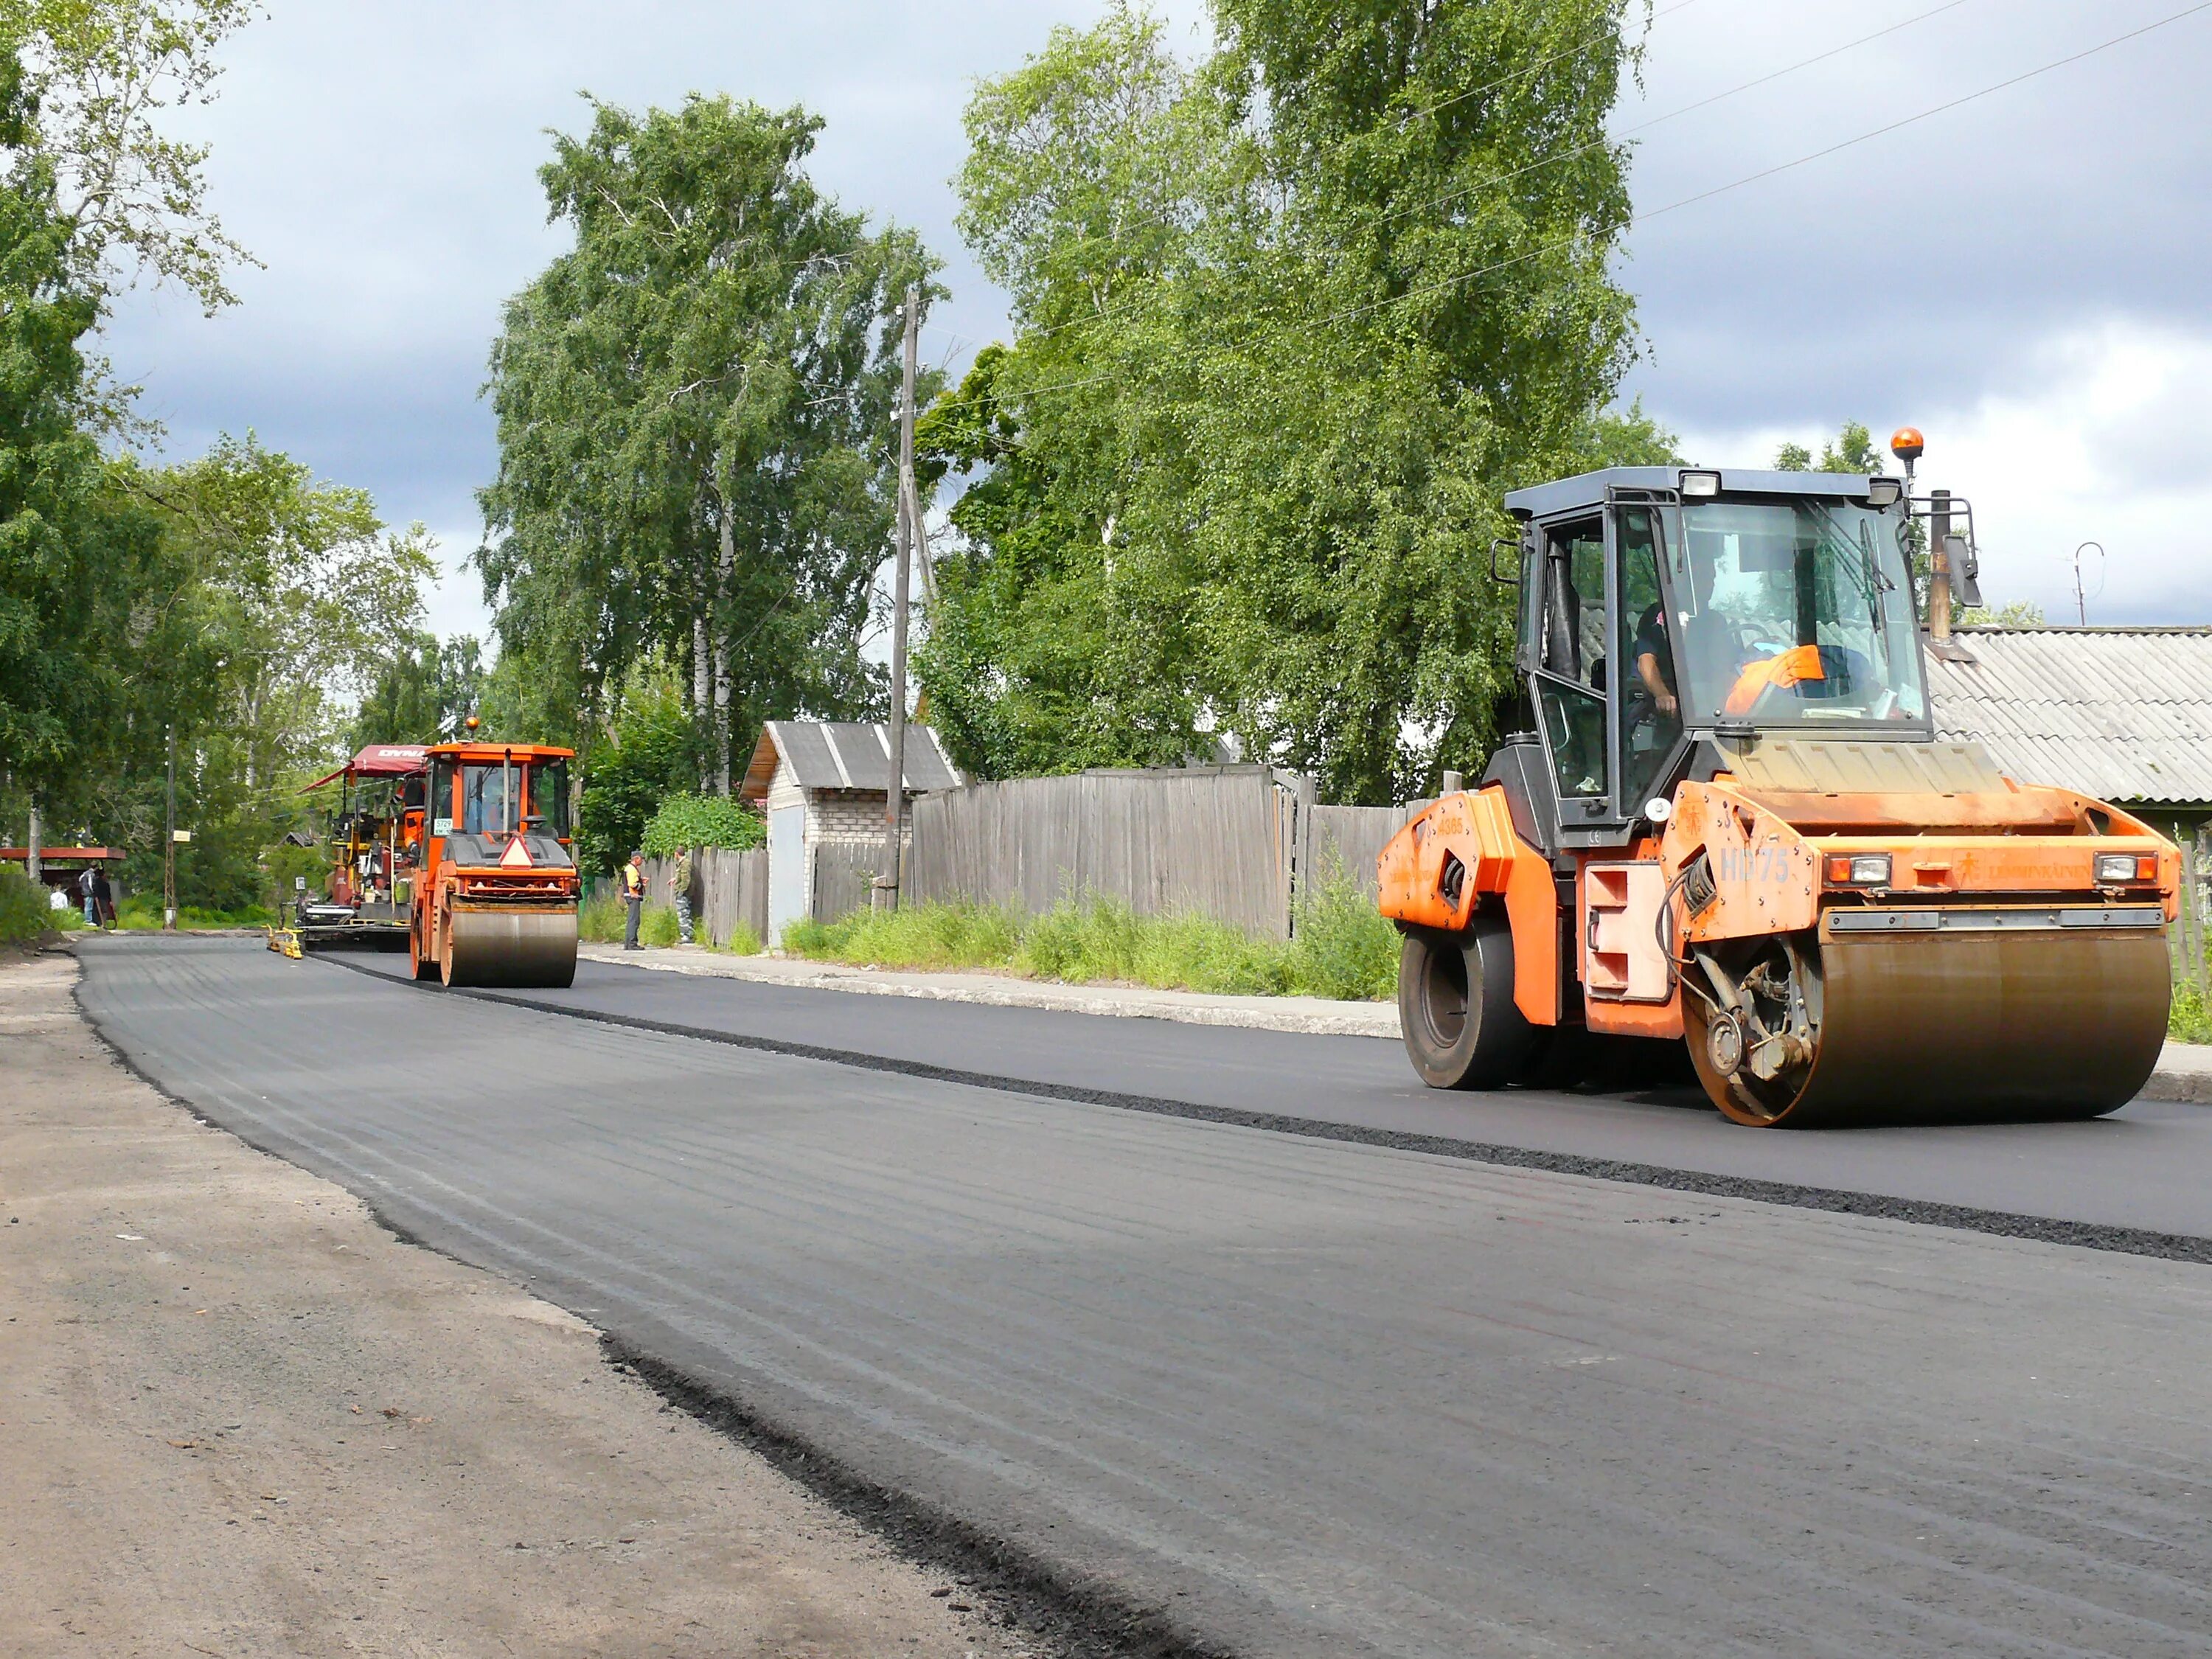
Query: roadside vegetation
{"x": 142, "y": 913}
{"x": 24, "y": 917}
{"x": 1343, "y": 948}
{"x": 2190, "y": 1018}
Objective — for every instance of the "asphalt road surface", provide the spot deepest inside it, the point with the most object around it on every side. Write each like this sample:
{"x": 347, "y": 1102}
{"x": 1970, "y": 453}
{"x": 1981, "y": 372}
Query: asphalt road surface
{"x": 2148, "y": 1166}
{"x": 1307, "y": 1396}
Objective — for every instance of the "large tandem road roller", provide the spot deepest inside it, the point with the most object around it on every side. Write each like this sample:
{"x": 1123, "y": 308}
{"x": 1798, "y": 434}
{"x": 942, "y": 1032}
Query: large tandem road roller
{"x": 1734, "y": 827}
{"x": 495, "y": 900}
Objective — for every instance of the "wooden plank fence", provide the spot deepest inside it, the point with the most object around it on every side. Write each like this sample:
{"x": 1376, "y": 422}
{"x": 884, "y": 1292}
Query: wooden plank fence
{"x": 1240, "y": 844}
{"x": 2186, "y": 938}
{"x": 1224, "y": 841}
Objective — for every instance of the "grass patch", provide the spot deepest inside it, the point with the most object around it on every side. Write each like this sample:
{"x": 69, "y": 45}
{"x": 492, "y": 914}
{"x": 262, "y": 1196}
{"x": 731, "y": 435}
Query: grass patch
{"x": 742, "y": 941}
{"x": 2190, "y": 1019}
{"x": 1344, "y": 949}
{"x": 599, "y": 920}
{"x": 658, "y": 925}
{"x": 142, "y": 913}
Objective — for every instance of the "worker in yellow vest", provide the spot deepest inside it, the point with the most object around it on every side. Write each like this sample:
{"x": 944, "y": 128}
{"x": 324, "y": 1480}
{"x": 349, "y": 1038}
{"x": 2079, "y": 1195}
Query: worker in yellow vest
{"x": 633, "y": 878}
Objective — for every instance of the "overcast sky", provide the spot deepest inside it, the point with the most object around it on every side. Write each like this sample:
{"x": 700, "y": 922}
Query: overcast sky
{"x": 2023, "y": 276}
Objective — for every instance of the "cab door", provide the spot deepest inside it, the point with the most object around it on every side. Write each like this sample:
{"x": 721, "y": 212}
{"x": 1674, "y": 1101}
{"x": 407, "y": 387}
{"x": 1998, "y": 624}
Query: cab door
{"x": 1571, "y": 679}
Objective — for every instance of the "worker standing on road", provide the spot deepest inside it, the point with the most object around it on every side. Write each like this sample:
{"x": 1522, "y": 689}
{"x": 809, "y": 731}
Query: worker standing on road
{"x": 633, "y": 877}
{"x": 103, "y": 896}
{"x": 680, "y": 883}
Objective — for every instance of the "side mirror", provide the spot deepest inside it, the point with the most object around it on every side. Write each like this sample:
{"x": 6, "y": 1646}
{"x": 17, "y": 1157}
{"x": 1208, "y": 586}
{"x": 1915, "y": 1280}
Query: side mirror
{"x": 1966, "y": 570}
{"x": 1498, "y": 575}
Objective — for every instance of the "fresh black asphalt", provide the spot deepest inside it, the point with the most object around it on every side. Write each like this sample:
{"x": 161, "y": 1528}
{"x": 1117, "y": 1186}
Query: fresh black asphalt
{"x": 2145, "y": 1171}
{"x": 1294, "y": 1395}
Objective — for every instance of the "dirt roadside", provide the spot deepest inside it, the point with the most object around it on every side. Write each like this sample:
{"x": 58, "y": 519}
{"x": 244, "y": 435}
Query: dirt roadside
{"x": 238, "y": 1418}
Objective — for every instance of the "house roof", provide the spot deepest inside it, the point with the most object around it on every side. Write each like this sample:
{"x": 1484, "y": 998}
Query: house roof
{"x": 847, "y": 755}
{"x": 2124, "y": 714}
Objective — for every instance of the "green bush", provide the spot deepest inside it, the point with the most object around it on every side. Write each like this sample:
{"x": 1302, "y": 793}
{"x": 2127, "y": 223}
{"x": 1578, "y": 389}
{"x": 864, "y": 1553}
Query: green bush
{"x": 742, "y": 941}
{"x": 24, "y": 918}
{"x": 1344, "y": 949}
{"x": 702, "y": 820}
{"x": 657, "y": 925}
{"x": 600, "y": 921}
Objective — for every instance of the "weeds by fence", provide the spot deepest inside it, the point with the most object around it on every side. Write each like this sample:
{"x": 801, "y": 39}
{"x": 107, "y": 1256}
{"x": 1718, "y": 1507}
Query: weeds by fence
{"x": 1343, "y": 948}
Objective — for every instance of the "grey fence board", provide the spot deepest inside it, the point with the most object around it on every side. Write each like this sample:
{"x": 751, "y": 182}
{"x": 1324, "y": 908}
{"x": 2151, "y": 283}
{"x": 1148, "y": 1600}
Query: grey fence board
{"x": 734, "y": 890}
{"x": 1220, "y": 841}
{"x": 844, "y": 872}
{"x": 1347, "y": 840}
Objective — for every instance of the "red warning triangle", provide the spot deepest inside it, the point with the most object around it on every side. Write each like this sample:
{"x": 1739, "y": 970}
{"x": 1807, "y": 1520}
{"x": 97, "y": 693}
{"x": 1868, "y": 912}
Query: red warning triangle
{"x": 517, "y": 856}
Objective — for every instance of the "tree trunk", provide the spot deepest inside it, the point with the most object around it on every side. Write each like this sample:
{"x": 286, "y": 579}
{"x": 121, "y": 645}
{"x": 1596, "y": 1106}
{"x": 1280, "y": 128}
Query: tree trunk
{"x": 725, "y": 564}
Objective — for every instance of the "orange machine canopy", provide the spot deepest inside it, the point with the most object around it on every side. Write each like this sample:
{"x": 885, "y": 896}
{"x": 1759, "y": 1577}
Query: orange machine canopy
{"x": 380, "y": 760}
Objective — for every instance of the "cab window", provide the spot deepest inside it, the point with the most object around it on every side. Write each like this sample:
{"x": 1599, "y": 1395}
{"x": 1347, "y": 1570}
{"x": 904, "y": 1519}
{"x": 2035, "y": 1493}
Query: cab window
{"x": 1573, "y": 663}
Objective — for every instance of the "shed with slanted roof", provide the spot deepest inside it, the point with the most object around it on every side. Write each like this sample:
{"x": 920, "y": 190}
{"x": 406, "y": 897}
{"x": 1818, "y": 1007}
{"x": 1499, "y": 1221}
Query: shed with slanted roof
{"x": 823, "y": 786}
{"x": 2121, "y": 714}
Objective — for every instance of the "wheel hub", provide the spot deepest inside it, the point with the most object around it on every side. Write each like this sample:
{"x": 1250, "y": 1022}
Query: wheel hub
{"x": 1724, "y": 1044}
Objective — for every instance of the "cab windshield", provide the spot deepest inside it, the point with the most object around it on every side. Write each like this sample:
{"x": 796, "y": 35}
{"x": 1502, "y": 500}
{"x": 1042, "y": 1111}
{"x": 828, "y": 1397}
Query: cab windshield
{"x": 473, "y": 797}
{"x": 1796, "y": 611}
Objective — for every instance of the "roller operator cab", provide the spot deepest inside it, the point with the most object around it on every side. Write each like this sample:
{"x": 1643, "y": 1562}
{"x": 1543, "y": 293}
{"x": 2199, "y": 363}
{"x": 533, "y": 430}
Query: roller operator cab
{"x": 1734, "y": 827}
{"x": 498, "y": 888}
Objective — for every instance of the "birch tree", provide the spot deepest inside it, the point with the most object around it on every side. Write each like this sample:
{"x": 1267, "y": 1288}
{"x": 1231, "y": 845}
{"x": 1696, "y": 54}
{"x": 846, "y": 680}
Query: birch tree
{"x": 694, "y": 409}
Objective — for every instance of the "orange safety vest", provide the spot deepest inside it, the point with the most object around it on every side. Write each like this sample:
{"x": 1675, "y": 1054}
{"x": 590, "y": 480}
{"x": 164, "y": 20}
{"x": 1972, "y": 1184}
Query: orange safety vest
{"x": 633, "y": 882}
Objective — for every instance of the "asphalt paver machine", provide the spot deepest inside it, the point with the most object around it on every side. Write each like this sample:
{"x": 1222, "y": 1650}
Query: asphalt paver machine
{"x": 1732, "y": 827}
{"x": 375, "y": 845}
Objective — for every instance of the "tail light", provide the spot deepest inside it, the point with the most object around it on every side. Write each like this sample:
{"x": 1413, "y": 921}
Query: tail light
{"x": 1858, "y": 870}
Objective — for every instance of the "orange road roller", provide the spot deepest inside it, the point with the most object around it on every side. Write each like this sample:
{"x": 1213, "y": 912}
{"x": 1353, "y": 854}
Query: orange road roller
{"x": 1732, "y": 826}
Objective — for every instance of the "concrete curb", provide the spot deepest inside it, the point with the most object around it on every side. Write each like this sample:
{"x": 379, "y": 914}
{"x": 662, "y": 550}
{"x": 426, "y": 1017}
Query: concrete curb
{"x": 1309, "y": 1016}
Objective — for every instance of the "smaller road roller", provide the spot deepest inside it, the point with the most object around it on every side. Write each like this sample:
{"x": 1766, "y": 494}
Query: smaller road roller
{"x": 494, "y": 898}
{"x": 1731, "y": 827}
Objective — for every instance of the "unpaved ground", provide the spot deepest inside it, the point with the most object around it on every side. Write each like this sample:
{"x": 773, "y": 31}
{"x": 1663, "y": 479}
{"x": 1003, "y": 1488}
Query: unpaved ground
{"x": 238, "y": 1418}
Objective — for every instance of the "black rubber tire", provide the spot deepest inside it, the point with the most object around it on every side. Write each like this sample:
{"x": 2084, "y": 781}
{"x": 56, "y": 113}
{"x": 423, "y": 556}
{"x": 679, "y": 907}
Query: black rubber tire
{"x": 1455, "y": 1007}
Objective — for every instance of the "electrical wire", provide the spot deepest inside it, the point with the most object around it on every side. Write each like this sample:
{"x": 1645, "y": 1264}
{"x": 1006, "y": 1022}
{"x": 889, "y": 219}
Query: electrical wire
{"x": 1673, "y": 114}
{"x": 1459, "y": 281}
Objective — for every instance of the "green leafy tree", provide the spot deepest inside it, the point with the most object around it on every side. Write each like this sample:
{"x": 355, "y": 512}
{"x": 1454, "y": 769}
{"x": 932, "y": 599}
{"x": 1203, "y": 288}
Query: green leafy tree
{"x": 1853, "y": 449}
{"x": 1289, "y": 322}
{"x": 53, "y": 672}
{"x": 694, "y": 416}
{"x": 643, "y": 754}
{"x": 297, "y": 584}
{"x": 421, "y": 693}
{"x": 102, "y": 74}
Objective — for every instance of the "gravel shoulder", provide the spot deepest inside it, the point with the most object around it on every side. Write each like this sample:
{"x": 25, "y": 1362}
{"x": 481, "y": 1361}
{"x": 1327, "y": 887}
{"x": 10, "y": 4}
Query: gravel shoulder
{"x": 237, "y": 1417}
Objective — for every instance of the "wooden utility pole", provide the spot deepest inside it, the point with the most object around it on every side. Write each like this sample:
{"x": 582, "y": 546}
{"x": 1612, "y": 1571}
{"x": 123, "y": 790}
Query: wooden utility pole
{"x": 169, "y": 845}
{"x": 887, "y": 880}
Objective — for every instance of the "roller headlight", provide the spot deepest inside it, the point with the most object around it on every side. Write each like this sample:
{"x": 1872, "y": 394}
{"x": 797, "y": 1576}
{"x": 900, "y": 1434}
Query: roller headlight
{"x": 2117, "y": 869}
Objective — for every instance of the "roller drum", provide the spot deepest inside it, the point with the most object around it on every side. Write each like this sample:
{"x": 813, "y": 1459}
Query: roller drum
{"x": 1959, "y": 1027}
{"x": 508, "y": 945}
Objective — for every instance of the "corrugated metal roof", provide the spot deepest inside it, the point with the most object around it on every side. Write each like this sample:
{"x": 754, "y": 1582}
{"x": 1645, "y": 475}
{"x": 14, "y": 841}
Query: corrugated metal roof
{"x": 2121, "y": 714}
{"x": 847, "y": 755}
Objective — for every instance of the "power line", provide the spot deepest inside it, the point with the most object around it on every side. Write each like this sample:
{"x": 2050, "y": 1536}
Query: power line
{"x": 1465, "y": 277}
{"x": 1672, "y": 114}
